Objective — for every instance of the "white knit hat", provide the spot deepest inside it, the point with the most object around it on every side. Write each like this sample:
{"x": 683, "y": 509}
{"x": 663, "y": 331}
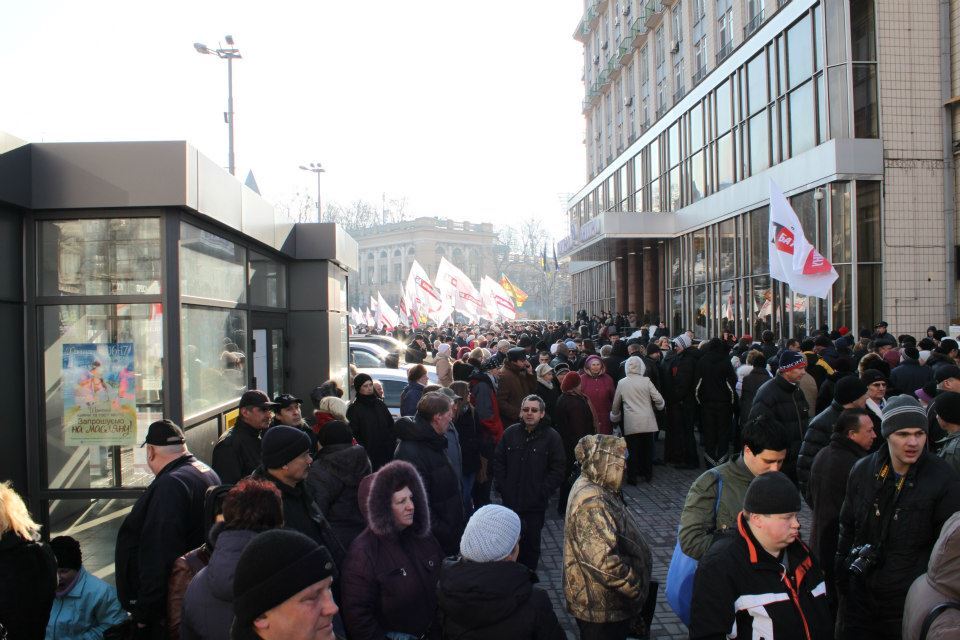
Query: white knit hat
{"x": 491, "y": 534}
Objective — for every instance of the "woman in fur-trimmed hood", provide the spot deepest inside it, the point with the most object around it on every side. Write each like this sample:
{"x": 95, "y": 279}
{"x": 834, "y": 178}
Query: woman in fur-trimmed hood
{"x": 390, "y": 574}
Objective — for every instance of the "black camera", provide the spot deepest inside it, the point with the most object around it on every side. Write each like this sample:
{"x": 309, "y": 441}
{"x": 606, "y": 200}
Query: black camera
{"x": 863, "y": 559}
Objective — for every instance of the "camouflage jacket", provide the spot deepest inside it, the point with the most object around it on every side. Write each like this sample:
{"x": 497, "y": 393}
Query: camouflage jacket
{"x": 606, "y": 562}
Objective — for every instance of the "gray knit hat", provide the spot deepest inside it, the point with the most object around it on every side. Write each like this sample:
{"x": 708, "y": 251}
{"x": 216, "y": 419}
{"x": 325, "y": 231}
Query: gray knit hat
{"x": 491, "y": 534}
{"x": 902, "y": 412}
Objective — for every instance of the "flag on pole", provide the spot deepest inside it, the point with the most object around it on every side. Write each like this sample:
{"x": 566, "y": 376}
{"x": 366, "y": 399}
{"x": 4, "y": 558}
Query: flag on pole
{"x": 792, "y": 258}
{"x": 457, "y": 290}
{"x": 386, "y": 316}
{"x": 368, "y": 318}
{"x": 543, "y": 259}
{"x": 497, "y": 302}
{"x": 422, "y": 296}
{"x": 556, "y": 265}
{"x": 518, "y": 294}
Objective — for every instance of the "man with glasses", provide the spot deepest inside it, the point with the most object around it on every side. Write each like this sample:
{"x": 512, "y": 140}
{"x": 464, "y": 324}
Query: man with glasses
{"x": 237, "y": 453}
{"x": 528, "y": 467}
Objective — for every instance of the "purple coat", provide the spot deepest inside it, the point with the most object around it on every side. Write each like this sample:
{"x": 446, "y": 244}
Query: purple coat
{"x": 600, "y": 390}
{"x": 389, "y": 576}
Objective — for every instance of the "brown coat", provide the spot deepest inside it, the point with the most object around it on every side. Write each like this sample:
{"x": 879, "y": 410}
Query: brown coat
{"x": 516, "y": 383}
{"x": 941, "y": 583}
{"x": 184, "y": 569}
{"x": 606, "y": 561}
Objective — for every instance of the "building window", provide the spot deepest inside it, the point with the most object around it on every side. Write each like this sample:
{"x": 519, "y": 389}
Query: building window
{"x": 110, "y": 256}
{"x": 661, "y": 68}
{"x": 268, "y": 281}
{"x": 211, "y": 267}
{"x": 214, "y": 357}
{"x": 724, "y": 13}
{"x": 677, "y": 51}
{"x": 644, "y": 88}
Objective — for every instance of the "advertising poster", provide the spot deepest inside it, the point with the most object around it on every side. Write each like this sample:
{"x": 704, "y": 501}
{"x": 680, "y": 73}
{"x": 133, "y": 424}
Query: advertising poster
{"x": 99, "y": 395}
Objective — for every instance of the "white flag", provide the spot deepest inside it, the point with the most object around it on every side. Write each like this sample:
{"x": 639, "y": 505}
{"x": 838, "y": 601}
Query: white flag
{"x": 792, "y": 258}
{"x": 368, "y": 317}
{"x": 496, "y": 301}
{"x": 386, "y": 316}
{"x": 422, "y": 296}
{"x": 457, "y": 289}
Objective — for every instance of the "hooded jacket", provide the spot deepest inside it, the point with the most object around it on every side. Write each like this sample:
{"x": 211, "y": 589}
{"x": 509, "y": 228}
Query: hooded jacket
{"x": 426, "y": 450}
{"x": 606, "y": 561}
{"x": 372, "y": 424}
{"x": 741, "y": 589}
{"x": 635, "y": 399}
{"x": 28, "y": 581}
{"x": 494, "y": 601}
{"x": 699, "y": 527}
{"x": 715, "y": 379}
{"x": 941, "y": 583}
{"x": 208, "y": 604}
{"x": 529, "y": 466}
{"x": 333, "y": 479}
{"x": 600, "y": 390}
{"x": 389, "y": 578}
{"x": 86, "y": 611}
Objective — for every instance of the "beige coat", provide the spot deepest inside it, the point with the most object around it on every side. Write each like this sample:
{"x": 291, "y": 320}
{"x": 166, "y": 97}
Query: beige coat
{"x": 444, "y": 370}
{"x": 941, "y": 583}
{"x": 606, "y": 561}
{"x": 635, "y": 399}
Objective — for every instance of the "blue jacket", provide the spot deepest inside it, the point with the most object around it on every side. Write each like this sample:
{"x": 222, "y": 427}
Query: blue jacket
{"x": 90, "y": 608}
{"x": 410, "y": 397}
{"x": 208, "y": 603}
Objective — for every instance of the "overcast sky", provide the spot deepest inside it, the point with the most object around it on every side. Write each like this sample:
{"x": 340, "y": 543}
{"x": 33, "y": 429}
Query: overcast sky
{"x": 469, "y": 110}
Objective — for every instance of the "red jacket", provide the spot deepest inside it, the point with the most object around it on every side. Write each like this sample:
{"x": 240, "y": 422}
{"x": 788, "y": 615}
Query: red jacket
{"x": 600, "y": 390}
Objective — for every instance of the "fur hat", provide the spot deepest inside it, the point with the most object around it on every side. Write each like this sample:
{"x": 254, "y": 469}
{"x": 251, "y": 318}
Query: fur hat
{"x": 570, "y": 382}
{"x": 384, "y": 484}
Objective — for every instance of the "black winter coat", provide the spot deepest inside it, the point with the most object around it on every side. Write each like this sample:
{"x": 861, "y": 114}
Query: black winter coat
{"x": 334, "y": 479}
{"x": 529, "y": 466}
{"x": 550, "y": 397}
{"x": 166, "y": 522}
{"x": 573, "y": 419}
{"x": 909, "y": 376}
{"x": 494, "y": 601}
{"x": 737, "y": 566}
{"x": 237, "y": 453}
{"x": 462, "y": 370}
{"x": 818, "y": 435}
{"x": 301, "y": 513}
{"x": 372, "y": 426}
{"x": 786, "y": 404}
{"x": 28, "y": 580}
{"x": 426, "y": 450}
{"x": 716, "y": 381}
{"x": 749, "y": 386}
{"x": 930, "y": 495}
{"x": 678, "y": 373}
{"x": 468, "y": 430}
{"x": 828, "y": 485}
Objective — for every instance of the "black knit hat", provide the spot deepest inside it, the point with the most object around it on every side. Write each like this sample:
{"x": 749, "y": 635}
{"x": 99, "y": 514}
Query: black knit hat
{"x": 281, "y": 444}
{"x": 274, "y": 566}
{"x": 849, "y": 389}
{"x": 360, "y": 380}
{"x": 771, "y": 493}
{"x": 67, "y": 551}
{"x": 948, "y": 408}
{"x": 335, "y": 432}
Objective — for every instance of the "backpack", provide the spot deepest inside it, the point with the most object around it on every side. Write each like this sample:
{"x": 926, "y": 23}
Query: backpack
{"x": 683, "y": 568}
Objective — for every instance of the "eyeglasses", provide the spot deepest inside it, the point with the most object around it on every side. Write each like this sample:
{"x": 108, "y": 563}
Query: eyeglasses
{"x": 530, "y": 410}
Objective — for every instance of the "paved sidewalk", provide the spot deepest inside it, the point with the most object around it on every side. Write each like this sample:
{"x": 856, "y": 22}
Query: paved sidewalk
{"x": 657, "y": 507}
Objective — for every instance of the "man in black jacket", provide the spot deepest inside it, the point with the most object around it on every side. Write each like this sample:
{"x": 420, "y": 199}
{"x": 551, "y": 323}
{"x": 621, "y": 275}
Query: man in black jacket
{"x": 237, "y": 453}
{"x": 423, "y": 444}
{"x": 910, "y": 375}
{"x": 528, "y": 467}
{"x": 679, "y": 375}
{"x": 762, "y": 581}
{"x": 852, "y": 438}
{"x": 166, "y": 522}
{"x": 782, "y": 399}
{"x": 897, "y": 500}
{"x": 715, "y": 384}
{"x": 849, "y": 393}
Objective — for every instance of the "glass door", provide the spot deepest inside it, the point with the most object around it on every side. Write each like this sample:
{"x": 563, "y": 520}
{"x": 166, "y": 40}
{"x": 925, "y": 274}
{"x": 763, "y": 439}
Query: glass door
{"x": 268, "y": 334}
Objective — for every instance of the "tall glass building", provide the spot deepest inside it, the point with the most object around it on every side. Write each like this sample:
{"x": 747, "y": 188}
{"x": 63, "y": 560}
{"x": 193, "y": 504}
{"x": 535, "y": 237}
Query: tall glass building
{"x": 693, "y": 106}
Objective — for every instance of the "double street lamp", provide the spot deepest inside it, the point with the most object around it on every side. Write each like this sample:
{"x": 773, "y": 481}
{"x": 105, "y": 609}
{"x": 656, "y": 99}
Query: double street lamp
{"x": 317, "y": 169}
{"x": 229, "y": 54}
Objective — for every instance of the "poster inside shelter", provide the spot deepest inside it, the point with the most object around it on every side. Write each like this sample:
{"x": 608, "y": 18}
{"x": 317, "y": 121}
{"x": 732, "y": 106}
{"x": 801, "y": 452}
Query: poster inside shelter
{"x": 99, "y": 394}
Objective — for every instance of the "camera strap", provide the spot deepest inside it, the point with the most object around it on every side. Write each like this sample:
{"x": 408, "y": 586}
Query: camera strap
{"x": 887, "y": 518}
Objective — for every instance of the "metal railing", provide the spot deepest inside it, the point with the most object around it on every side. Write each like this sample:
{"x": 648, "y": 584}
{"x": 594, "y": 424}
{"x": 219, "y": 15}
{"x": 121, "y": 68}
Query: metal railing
{"x": 678, "y": 95}
{"x": 700, "y": 73}
{"x": 753, "y": 25}
{"x": 725, "y": 50}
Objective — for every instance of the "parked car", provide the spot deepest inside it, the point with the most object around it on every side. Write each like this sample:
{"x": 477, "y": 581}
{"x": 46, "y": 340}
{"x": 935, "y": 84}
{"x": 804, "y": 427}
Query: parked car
{"x": 368, "y": 354}
{"x": 393, "y": 381}
{"x": 389, "y": 343}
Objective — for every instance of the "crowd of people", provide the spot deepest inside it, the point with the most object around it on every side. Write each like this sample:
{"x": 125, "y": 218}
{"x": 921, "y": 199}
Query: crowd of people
{"x": 354, "y": 523}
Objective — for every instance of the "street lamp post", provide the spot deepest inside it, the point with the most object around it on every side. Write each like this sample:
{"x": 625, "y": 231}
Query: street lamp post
{"x": 315, "y": 167}
{"x": 229, "y": 54}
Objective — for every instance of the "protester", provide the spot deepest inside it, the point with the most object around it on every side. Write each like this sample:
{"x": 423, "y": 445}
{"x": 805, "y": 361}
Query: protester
{"x": 704, "y": 519}
{"x": 443, "y": 365}
{"x": 783, "y": 400}
{"x": 468, "y": 428}
{"x": 371, "y": 422}
{"x": 754, "y": 377}
{"x": 762, "y": 581}
{"x": 417, "y": 379}
{"x": 528, "y": 468}
{"x": 483, "y": 397}
{"x": 517, "y": 381}
{"x": 548, "y": 388}
{"x": 250, "y": 507}
{"x": 948, "y": 417}
{"x": 334, "y": 478}
{"x": 423, "y": 444}
{"x": 575, "y": 417}
{"x": 28, "y": 570}
{"x": 633, "y": 405}
{"x": 852, "y": 439}
{"x": 329, "y": 409}
{"x": 679, "y": 376}
{"x": 165, "y": 522}
{"x": 715, "y": 381}
{"x": 599, "y": 388}
{"x": 897, "y": 500}
{"x": 486, "y": 594}
{"x": 939, "y": 585}
{"x": 237, "y": 453}
{"x": 282, "y": 589}
{"x": 606, "y": 561}
{"x": 391, "y": 571}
